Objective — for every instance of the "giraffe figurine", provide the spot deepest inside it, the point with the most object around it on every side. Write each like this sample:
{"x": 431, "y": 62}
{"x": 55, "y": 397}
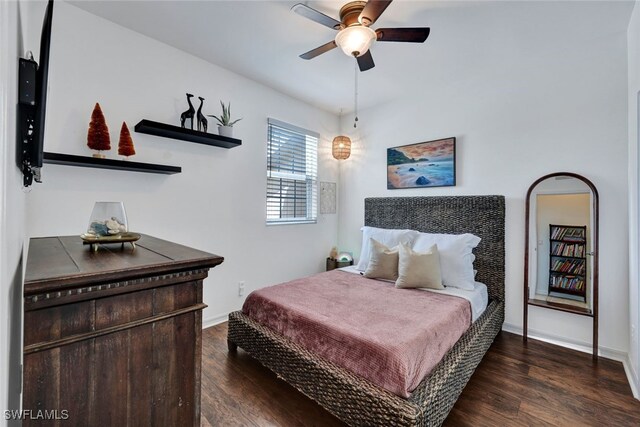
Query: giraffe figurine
{"x": 189, "y": 113}
{"x": 202, "y": 120}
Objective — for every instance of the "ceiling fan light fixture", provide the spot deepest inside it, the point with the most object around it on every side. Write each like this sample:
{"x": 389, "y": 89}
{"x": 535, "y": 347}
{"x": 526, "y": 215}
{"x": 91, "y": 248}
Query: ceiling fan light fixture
{"x": 355, "y": 40}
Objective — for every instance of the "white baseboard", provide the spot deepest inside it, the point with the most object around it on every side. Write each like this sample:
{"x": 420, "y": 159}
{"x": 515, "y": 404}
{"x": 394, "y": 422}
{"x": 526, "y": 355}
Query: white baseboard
{"x": 582, "y": 346}
{"x": 215, "y": 320}
{"x": 631, "y": 376}
{"x": 585, "y": 347}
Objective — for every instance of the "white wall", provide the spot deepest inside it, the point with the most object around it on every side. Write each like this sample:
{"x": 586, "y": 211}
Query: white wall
{"x": 558, "y": 110}
{"x": 12, "y": 212}
{"x": 218, "y": 202}
{"x": 633, "y": 49}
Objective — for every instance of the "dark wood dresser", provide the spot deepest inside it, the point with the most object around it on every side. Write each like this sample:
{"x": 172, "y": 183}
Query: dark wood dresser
{"x": 113, "y": 337}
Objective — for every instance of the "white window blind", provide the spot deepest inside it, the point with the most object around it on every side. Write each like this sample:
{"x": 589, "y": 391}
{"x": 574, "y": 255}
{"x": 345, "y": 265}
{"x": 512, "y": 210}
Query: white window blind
{"x": 292, "y": 172}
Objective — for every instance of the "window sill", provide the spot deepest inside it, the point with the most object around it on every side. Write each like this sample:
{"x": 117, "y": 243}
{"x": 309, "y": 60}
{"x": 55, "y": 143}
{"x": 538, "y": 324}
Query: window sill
{"x": 269, "y": 224}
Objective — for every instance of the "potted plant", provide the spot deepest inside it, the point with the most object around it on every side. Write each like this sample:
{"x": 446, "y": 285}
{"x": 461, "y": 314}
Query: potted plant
{"x": 225, "y": 125}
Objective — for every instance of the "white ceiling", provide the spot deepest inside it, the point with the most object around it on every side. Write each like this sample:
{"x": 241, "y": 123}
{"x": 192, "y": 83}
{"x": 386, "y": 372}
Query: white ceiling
{"x": 261, "y": 40}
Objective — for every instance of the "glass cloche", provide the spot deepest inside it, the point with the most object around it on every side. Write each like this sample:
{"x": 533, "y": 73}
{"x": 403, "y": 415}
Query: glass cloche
{"x": 107, "y": 219}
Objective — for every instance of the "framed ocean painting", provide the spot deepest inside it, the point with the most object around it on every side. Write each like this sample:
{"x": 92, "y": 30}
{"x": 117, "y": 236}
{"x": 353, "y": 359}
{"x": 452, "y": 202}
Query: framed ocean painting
{"x": 425, "y": 164}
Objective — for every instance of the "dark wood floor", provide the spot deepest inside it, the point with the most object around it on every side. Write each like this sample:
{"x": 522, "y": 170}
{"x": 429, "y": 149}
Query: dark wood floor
{"x": 515, "y": 385}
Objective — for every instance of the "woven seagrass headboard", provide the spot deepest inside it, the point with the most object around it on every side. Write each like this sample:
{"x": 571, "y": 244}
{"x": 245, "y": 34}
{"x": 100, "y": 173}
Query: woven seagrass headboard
{"x": 479, "y": 215}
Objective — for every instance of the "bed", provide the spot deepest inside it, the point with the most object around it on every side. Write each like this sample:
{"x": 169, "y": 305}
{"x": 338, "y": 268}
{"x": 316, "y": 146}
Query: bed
{"x": 358, "y": 401}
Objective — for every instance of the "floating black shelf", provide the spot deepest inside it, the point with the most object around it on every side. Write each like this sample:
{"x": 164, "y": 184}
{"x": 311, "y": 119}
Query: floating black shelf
{"x": 93, "y": 162}
{"x": 176, "y": 132}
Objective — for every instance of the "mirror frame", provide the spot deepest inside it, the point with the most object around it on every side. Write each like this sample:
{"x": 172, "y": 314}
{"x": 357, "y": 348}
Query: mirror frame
{"x": 594, "y": 250}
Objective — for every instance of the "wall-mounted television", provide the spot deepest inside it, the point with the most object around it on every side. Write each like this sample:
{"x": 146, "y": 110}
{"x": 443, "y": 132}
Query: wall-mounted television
{"x": 32, "y": 105}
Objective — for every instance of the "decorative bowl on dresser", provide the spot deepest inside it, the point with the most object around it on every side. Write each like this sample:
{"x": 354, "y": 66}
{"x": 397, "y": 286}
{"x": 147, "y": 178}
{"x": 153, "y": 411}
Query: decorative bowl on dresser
{"x": 113, "y": 337}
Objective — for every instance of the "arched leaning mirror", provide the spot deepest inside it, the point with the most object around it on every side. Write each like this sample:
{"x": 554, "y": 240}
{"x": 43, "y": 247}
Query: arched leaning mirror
{"x": 561, "y": 247}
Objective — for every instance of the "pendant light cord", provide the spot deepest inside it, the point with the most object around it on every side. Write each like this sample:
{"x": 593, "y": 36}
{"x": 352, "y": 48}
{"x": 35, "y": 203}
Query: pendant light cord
{"x": 355, "y": 121}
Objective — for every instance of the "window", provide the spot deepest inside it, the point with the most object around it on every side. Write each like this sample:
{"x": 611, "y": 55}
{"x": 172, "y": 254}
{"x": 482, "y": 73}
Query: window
{"x": 292, "y": 172}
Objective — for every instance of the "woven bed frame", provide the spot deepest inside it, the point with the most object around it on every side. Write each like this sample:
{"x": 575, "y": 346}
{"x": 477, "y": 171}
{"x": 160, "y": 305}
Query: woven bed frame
{"x": 357, "y": 401}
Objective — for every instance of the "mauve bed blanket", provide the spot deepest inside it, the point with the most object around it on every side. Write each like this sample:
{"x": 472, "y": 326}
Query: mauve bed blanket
{"x": 392, "y": 337}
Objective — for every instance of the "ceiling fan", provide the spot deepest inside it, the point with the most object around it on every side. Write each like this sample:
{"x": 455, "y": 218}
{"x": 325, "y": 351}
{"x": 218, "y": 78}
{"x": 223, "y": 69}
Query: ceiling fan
{"x": 355, "y": 35}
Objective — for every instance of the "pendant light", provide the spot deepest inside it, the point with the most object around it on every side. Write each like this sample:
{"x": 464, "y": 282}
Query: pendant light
{"x": 341, "y": 147}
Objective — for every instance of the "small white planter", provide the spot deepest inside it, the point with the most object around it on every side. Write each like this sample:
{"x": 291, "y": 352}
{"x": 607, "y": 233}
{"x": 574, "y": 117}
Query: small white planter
{"x": 225, "y": 131}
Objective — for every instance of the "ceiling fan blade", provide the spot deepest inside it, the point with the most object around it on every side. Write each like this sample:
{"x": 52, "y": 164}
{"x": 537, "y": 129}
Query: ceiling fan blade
{"x": 409, "y": 35}
{"x": 372, "y": 11}
{"x": 365, "y": 62}
{"x": 319, "y": 50}
{"x": 314, "y": 15}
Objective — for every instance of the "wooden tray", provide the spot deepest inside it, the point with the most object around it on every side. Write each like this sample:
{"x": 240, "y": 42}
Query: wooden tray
{"x": 123, "y": 238}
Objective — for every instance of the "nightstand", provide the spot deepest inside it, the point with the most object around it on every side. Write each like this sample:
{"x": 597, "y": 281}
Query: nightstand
{"x": 334, "y": 263}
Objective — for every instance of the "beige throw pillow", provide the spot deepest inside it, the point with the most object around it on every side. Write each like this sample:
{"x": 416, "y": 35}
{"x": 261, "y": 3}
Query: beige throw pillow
{"x": 419, "y": 270}
{"x": 383, "y": 262}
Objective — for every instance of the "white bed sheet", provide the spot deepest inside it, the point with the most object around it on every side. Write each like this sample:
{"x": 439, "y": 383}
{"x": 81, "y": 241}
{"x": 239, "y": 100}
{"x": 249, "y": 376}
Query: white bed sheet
{"x": 478, "y": 297}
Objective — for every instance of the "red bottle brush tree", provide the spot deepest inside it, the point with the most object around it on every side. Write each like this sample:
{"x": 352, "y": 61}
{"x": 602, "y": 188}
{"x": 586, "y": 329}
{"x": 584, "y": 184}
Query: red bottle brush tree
{"x": 98, "y": 135}
{"x": 125, "y": 145}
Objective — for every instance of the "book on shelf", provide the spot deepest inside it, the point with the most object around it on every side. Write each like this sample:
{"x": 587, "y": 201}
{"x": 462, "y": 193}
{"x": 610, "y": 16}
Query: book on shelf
{"x": 568, "y": 283}
{"x": 574, "y": 266}
{"x": 568, "y": 233}
{"x": 568, "y": 249}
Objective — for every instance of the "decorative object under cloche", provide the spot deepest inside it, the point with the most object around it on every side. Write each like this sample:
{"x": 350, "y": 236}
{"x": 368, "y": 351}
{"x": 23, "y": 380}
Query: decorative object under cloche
{"x": 108, "y": 224}
{"x": 98, "y": 135}
{"x": 107, "y": 219}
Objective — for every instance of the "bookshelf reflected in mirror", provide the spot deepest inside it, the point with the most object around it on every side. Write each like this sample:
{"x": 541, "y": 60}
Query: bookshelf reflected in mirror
{"x": 568, "y": 262}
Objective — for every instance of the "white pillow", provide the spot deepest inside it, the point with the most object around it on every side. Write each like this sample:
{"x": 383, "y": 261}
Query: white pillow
{"x": 456, "y": 256}
{"x": 419, "y": 269}
{"x": 383, "y": 263}
{"x": 388, "y": 237}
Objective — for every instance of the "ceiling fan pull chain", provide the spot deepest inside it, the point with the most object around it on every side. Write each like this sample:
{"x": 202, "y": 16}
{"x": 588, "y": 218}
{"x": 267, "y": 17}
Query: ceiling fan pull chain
{"x": 355, "y": 122}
